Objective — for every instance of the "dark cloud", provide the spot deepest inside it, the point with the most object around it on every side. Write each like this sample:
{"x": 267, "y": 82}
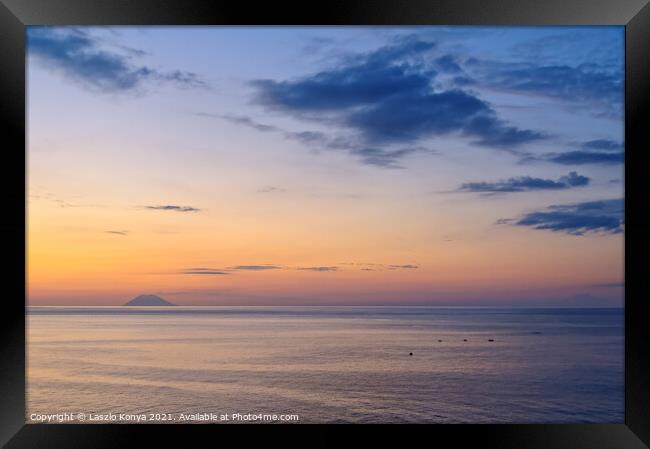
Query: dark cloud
{"x": 353, "y": 84}
{"x": 79, "y": 56}
{"x": 256, "y": 267}
{"x": 404, "y": 267}
{"x": 584, "y": 157}
{"x": 117, "y": 232}
{"x": 174, "y": 208}
{"x": 387, "y": 97}
{"x": 318, "y": 268}
{"x": 603, "y": 145}
{"x": 603, "y": 217}
{"x": 407, "y": 117}
{"x": 526, "y": 184}
{"x": 599, "y": 151}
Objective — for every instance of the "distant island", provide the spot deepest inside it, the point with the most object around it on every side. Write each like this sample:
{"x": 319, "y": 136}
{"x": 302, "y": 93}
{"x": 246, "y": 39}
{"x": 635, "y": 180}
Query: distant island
{"x": 148, "y": 300}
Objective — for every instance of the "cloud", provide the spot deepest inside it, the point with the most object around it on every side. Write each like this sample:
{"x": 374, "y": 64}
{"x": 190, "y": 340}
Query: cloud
{"x": 246, "y": 121}
{"x": 586, "y": 83}
{"x": 602, "y": 144}
{"x": 350, "y": 85}
{"x": 585, "y": 157}
{"x": 320, "y": 269}
{"x": 174, "y": 208}
{"x": 270, "y": 189}
{"x": 370, "y": 155}
{"x": 573, "y": 46}
{"x": 612, "y": 285}
{"x": 256, "y": 267}
{"x": 601, "y": 217}
{"x": 526, "y": 184}
{"x": 204, "y": 271}
{"x": 600, "y": 151}
{"x": 380, "y": 266}
{"x": 384, "y": 157}
{"x": 380, "y": 157}
{"x": 265, "y": 267}
{"x": 79, "y": 56}
{"x": 241, "y": 120}
{"x": 408, "y": 117}
{"x": 387, "y": 97}
{"x": 63, "y": 203}
{"x": 448, "y": 64}
{"x": 117, "y": 232}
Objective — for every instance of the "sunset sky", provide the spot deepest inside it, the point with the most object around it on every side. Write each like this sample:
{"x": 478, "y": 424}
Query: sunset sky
{"x": 326, "y": 165}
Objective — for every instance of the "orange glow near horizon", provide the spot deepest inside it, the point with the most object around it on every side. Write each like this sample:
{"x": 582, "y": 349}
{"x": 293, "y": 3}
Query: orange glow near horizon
{"x": 72, "y": 264}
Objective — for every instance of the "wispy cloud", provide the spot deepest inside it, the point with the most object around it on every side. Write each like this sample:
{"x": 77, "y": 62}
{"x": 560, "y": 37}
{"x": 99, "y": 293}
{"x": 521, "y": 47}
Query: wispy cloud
{"x": 204, "y": 271}
{"x": 599, "y": 86}
{"x": 317, "y": 268}
{"x": 263, "y": 267}
{"x": 365, "y": 266}
{"x": 256, "y": 267}
{"x": 79, "y": 56}
{"x": 63, "y": 203}
{"x": 583, "y": 83}
{"x": 246, "y": 121}
{"x": 377, "y": 156}
{"x": 600, "y": 152}
{"x": 170, "y": 207}
{"x": 526, "y": 184}
{"x": 270, "y": 189}
{"x": 600, "y": 217}
{"x": 321, "y": 269}
{"x": 612, "y": 285}
{"x": 371, "y": 155}
{"x": 117, "y": 232}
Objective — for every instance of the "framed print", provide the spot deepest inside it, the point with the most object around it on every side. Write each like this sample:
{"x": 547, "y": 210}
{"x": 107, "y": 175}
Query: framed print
{"x": 385, "y": 220}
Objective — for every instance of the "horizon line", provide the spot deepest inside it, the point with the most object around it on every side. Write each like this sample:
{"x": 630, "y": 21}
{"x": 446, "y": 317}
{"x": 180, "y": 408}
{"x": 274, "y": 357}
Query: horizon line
{"x": 557, "y": 306}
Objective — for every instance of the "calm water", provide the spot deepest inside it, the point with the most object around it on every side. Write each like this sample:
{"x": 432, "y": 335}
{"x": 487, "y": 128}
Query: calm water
{"x": 330, "y": 364}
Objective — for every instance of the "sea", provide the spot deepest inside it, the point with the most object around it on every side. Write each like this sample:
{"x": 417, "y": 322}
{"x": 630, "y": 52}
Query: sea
{"x": 324, "y": 365}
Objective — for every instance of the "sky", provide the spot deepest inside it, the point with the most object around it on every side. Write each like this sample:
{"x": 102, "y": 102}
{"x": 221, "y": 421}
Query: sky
{"x": 468, "y": 166}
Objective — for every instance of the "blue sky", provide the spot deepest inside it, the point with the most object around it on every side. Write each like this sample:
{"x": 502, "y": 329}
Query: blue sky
{"x": 485, "y": 137}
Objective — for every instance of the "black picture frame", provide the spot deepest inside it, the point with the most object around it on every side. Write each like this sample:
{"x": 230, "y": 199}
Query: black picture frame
{"x": 15, "y": 15}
